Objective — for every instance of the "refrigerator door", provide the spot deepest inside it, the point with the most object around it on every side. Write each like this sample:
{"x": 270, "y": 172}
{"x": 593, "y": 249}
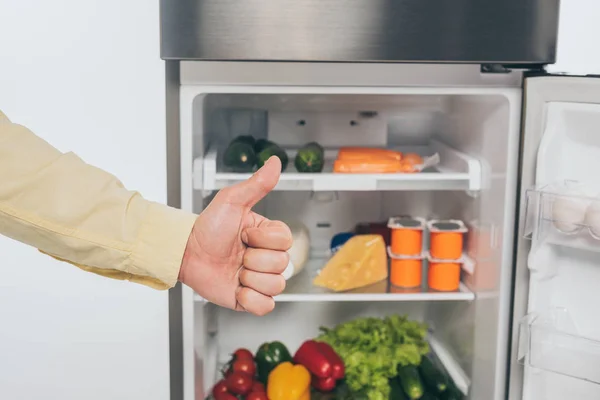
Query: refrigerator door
{"x": 556, "y": 329}
{"x": 459, "y": 31}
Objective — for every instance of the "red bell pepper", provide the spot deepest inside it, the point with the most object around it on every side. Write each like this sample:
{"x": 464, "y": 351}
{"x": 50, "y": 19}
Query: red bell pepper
{"x": 309, "y": 355}
{"x": 323, "y": 384}
{"x": 322, "y": 362}
{"x": 337, "y": 365}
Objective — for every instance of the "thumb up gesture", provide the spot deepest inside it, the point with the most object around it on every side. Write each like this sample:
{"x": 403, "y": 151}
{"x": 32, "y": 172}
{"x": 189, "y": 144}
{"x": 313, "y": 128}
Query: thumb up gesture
{"x": 235, "y": 257}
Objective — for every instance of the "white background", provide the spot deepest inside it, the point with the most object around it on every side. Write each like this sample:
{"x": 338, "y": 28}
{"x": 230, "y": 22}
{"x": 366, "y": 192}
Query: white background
{"x": 86, "y": 76}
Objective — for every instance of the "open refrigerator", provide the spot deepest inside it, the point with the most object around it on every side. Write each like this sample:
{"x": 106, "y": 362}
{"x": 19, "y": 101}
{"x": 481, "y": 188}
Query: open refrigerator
{"x": 516, "y": 151}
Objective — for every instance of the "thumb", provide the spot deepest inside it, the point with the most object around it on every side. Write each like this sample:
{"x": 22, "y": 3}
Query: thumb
{"x": 254, "y": 189}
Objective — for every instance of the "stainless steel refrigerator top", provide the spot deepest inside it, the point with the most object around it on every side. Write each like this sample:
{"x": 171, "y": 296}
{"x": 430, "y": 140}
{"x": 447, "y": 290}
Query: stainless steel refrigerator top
{"x": 508, "y": 32}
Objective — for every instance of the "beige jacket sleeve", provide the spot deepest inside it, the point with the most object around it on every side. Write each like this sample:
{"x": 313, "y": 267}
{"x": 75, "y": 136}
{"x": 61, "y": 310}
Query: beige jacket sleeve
{"x": 83, "y": 215}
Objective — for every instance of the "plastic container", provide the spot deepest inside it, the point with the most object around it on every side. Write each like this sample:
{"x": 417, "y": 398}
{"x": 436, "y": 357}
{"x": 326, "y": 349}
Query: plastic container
{"x": 443, "y": 275}
{"x": 446, "y": 238}
{"x": 406, "y": 271}
{"x": 406, "y": 235}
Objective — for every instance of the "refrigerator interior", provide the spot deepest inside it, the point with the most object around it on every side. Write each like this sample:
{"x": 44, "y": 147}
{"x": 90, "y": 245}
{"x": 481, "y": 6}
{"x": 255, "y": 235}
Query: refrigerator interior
{"x": 475, "y": 131}
{"x": 559, "y": 333}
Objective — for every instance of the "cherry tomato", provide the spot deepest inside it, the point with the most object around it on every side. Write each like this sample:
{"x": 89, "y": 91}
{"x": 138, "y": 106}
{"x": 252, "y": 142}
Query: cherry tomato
{"x": 225, "y": 396}
{"x": 245, "y": 354}
{"x": 258, "y": 387}
{"x": 257, "y": 396}
{"x": 246, "y": 366}
{"x": 239, "y": 383}
{"x": 220, "y": 387}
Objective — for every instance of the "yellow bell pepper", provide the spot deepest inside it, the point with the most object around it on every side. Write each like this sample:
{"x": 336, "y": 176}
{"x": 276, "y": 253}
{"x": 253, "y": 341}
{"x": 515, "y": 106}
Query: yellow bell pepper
{"x": 289, "y": 382}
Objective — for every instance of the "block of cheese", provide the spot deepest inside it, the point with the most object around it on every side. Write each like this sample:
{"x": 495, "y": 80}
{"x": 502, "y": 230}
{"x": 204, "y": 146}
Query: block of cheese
{"x": 361, "y": 261}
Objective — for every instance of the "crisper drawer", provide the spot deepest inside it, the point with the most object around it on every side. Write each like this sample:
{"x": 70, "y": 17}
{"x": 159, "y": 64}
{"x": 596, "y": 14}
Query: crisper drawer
{"x": 464, "y": 31}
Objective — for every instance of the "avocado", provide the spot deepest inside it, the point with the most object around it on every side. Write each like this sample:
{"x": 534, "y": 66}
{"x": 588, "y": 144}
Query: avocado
{"x": 262, "y": 144}
{"x": 240, "y": 157}
{"x": 248, "y": 139}
{"x": 310, "y": 158}
{"x": 273, "y": 150}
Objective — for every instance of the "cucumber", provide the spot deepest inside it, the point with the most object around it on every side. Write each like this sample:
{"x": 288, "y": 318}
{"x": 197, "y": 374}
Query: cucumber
{"x": 433, "y": 377}
{"x": 273, "y": 150}
{"x": 262, "y": 144}
{"x": 428, "y": 396}
{"x": 451, "y": 392}
{"x": 396, "y": 392}
{"x": 240, "y": 157}
{"x": 248, "y": 139}
{"x": 310, "y": 158}
{"x": 411, "y": 381}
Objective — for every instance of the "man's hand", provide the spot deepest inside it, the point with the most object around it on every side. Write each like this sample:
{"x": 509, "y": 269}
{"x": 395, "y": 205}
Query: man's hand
{"x": 234, "y": 257}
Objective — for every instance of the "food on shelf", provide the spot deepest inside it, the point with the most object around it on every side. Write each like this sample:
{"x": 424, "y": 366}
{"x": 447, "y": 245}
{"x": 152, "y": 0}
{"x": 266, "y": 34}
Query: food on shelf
{"x": 239, "y": 156}
{"x": 406, "y": 272}
{"x": 592, "y": 218}
{"x": 433, "y": 377}
{"x": 338, "y": 240}
{"x": 407, "y": 235}
{"x": 325, "y": 366}
{"x": 219, "y": 389}
{"x": 239, "y": 383}
{"x": 410, "y": 381}
{"x": 365, "y": 153}
{"x": 268, "y": 152}
{"x": 262, "y": 144}
{"x": 310, "y": 158}
{"x": 381, "y": 165}
{"x": 269, "y": 356}
{"x": 289, "y": 382}
{"x": 396, "y": 391}
{"x": 446, "y": 238}
{"x": 361, "y": 261}
{"x": 257, "y": 396}
{"x": 451, "y": 393}
{"x": 248, "y": 139}
{"x": 413, "y": 158}
{"x": 374, "y": 228}
{"x": 569, "y": 209}
{"x": 241, "y": 364}
{"x": 300, "y": 250}
{"x": 443, "y": 275}
{"x": 372, "y": 349}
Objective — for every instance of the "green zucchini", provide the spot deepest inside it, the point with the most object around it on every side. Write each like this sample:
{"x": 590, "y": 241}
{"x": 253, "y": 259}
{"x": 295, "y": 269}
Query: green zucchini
{"x": 451, "y": 392}
{"x": 396, "y": 392}
{"x": 434, "y": 378}
{"x": 248, "y": 139}
{"x": 428, "y": 396}
{"x": 411, "y": 381}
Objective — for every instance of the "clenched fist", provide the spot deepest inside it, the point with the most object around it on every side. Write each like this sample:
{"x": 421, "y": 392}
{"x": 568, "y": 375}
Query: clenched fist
{"x": 235, "y": 257}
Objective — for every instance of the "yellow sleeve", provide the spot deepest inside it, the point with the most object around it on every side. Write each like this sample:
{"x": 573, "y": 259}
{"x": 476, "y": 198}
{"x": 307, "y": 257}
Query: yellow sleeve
{"x": 83, "y": 215}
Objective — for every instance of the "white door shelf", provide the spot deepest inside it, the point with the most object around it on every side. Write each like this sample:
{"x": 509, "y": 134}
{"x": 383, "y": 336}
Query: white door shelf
{"x": 301, "y": 289}
{"x": 456, "y": 171}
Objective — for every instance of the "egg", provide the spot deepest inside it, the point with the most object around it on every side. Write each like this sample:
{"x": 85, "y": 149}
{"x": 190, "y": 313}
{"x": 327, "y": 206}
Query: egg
{"x": 569, "y": 210}
{"x": 592, "y": 218}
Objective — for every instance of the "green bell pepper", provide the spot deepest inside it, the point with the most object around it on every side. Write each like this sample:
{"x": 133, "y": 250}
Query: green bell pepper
{"x": 268, "y": 356}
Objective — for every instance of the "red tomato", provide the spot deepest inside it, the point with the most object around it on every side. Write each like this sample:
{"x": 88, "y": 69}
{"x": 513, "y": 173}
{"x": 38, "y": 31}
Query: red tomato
{"x": 219, "y": 388}
{"x": 246, "y": 366}
{"x": 239, "y": 383}
{"x": 258, "y": 387}
{"x": 225, "y": 396}
{"x": 240, "y": 354}
{"x": 257, "y": 396}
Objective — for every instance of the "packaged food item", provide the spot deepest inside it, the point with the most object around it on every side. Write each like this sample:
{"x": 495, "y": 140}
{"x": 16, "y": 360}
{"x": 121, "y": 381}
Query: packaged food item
{"x": 380, "y": 165}
{"x": 361, "y": 153}
{"x": 374, "y": 228}
{"x": 361, "y": 261}
{"x": 338, "y": 240}
{"x": 405, "y": 272}
{"x": 443, "y": 275}
{"x": 406, "y": 235}
{"x": 446, "y": 238}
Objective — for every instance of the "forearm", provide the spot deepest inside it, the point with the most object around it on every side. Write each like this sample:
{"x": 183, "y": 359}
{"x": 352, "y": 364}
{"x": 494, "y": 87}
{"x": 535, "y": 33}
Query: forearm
{"x": 83, "y": 215}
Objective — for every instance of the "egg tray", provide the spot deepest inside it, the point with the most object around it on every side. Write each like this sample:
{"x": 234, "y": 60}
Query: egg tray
{"x": 566, "y": 213}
